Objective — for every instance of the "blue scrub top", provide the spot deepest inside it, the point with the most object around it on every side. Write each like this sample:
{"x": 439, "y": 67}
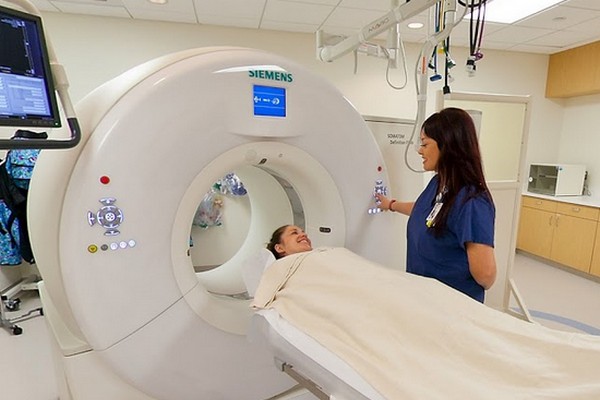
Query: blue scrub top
{"x": 445, "y": 257}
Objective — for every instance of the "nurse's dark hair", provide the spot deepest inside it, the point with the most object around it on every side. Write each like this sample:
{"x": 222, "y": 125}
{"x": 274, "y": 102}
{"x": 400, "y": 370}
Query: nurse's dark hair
{"x": 459, "y": 164}
{"x": 276, "y": 239}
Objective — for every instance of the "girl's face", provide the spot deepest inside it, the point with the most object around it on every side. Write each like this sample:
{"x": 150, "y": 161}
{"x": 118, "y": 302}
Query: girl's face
{"x": 293, "y": 240}
{"x": 430, "y": 153}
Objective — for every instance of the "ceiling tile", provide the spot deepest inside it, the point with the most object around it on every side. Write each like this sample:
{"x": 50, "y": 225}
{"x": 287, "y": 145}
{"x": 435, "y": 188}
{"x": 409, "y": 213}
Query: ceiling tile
{"x": 414, "y": 37}
{"x": 516, "y": 34}
{"x": 230, "y": 8}
{"x": 238, "y": 22}
{"x": 535, "y": 49}
{"x": 97, "y": 3}
{"x": 90, "y": 9}
{"x": 540, "y": 33}
{"x": 157, "y": 15}
{"x": 302, "y": 13}
{"x": 319, "y": 2}
{"x": 558, "y": 18}
{"x": 463, "y": 30}
{"x": 44, "y": 5}
{"x": 560, "y": 39}
{"x": 351, "y": 17}
{"x": 494, "y": 45}
{"x": 591, "y": 27}
{"x": 288, "y": 26}
{"x": 172, "y": 11}
{"x": 377, "y": 5}
{"x": 587, "y": 4}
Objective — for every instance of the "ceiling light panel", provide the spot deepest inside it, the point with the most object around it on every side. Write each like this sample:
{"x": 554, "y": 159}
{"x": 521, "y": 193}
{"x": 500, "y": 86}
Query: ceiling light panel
{"x": 510, "y": 11}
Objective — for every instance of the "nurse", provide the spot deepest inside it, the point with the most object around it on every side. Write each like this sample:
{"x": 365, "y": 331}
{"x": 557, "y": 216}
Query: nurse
{"x": 450, "y": 229}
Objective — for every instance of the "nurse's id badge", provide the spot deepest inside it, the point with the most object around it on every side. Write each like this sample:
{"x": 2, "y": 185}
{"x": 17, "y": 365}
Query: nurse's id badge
{"x": 430, "y": 220}
{"x": 439, "y": 202}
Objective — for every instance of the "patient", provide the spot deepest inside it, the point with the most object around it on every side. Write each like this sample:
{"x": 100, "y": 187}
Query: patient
{"x": 288, "y": 239}
{"x": 413, "y": 337}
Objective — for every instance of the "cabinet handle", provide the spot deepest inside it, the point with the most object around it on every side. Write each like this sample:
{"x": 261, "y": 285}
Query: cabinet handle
{"x": 538, "y": 203}
{"x": 557, "y": 218}
{"x": 576, "y": 209}
{"x": 550, "y": 220}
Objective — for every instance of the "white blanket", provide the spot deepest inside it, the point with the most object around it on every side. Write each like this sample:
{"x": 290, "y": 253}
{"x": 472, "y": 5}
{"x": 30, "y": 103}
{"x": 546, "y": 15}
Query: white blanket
{"x": 415, "y": 338}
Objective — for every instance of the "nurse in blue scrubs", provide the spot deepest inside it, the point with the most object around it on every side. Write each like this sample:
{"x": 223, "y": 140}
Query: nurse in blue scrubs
{"x": 451, "y": 225}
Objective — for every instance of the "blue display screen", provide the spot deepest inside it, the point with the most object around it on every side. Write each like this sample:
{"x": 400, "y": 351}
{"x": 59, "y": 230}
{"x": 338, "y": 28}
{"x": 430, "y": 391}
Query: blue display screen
{"x": 269, "y": 101}
{"x": 27, "y": 93}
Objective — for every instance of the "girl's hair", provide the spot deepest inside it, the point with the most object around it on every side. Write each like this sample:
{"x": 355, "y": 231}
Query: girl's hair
{"x": 276, "y": 239}
{"x": 460, "y": 163}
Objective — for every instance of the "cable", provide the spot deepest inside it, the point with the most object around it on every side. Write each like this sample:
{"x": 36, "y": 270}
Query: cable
{"x": 478, "y": 50}
{"x": 447, "y": 66}
{"x": 404, "y": 68}
{"x": 475, "y": 35}
{"x": 422, "y": 81}
{"x": 464, "y": 3}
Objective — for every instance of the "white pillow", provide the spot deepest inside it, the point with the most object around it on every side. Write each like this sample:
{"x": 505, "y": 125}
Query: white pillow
{"x": 253, "y": 268}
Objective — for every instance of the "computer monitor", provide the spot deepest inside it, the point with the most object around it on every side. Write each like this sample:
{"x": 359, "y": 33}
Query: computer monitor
{"x": 27, "y": 93}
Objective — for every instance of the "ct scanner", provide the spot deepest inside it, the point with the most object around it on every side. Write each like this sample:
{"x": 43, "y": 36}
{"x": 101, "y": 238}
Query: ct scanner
{"x": 110, "y": 219}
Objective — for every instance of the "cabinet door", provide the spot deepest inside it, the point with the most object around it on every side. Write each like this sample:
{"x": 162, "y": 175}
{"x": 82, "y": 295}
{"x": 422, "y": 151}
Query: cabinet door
{"x": 595, "y": 266}
{"x": 535, "y": 231}
{"x": 573, "y": 242}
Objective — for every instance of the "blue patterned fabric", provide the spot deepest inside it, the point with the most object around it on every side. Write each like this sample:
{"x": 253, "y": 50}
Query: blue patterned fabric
{"x": 19, "y": 165}
{"x": 10, "y": 252}
{"x": 15, "y": 175}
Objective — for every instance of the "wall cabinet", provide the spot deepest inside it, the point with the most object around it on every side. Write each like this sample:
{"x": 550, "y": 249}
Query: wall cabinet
{"x": 570, "y": 74}
{"x": 561, "y": 232}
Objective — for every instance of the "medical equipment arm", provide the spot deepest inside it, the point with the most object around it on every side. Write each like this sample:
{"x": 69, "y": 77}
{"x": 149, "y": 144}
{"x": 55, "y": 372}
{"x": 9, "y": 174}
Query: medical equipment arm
{"x": 421, "y": 79}
{"x": 62, "y": 85}
{"x": 393, "y": 17}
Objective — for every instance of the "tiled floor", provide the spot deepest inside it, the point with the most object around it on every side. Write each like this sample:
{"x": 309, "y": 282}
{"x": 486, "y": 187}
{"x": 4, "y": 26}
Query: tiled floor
{"x": 556, "y": 298}
{"x": 26, "y": 366}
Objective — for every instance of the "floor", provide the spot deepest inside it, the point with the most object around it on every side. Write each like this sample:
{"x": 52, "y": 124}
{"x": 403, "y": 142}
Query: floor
{"x": 26, "y": 368}
{"x": 555, "y": 298}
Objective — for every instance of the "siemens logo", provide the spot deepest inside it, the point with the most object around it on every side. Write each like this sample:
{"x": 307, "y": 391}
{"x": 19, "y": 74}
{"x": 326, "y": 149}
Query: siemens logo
{"x": 271, "y": 75}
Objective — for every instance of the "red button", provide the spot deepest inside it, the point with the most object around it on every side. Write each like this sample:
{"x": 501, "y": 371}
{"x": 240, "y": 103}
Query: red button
{"x": 105, "y": 180}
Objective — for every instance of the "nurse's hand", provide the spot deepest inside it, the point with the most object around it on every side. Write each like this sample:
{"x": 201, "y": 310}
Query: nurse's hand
{"x": 393, "y": 205}
{"x": 384, "y": 202}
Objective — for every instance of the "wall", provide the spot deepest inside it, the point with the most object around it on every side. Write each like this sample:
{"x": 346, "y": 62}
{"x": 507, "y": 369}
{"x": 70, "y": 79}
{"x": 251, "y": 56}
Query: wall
{"x": 580, "y": 138}
{"x": 96, "y": 49}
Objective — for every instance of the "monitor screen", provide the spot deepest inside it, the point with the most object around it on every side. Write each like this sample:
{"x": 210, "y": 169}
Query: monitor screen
{"x": 27, "y": 96}
{"x": 269, "y": 101}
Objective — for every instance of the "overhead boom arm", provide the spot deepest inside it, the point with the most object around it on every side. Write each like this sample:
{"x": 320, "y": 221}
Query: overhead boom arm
{"x": 394, "y": 16}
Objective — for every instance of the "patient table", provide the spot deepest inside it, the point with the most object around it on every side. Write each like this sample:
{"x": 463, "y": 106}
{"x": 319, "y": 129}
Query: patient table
{"x": 362, "y": 331}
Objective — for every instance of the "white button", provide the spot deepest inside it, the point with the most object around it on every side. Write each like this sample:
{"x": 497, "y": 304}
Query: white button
{"x": 132, "y": 243}
{"x": 123, "y": 245}
{"x": 114, "y": 246}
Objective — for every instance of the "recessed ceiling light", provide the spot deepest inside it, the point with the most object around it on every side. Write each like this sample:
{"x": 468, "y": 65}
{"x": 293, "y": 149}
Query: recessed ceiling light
{"x": 158, "y": 1}
{"x": 415, "y": 25}
{"x": 509, "y": 11}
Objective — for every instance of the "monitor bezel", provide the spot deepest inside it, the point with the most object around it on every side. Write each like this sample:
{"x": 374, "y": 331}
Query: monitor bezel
{"x": 53, "y": 120}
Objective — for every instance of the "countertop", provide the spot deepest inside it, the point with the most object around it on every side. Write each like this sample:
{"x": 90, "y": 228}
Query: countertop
{"x": 580, "y": 200}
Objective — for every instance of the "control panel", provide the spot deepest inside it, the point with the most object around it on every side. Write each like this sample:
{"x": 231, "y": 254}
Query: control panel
{"x": 109, "y": 217}
{"x": 379, "y": 188}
